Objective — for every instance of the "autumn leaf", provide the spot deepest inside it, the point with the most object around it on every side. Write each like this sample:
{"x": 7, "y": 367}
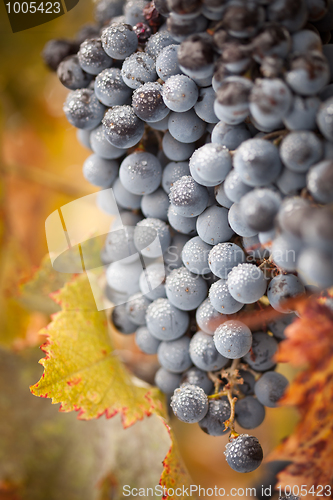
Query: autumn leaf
{"x": 174, "y": 474}
{"x": 310, "y": 448}
{"x": 83, "y": 372}
{"x": 35, "y": 293}
{"x": 81, "y": 369}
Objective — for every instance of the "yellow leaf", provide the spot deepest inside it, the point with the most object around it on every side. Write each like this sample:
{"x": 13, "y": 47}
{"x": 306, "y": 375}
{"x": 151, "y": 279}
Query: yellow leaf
{"x": 83, "y": 372}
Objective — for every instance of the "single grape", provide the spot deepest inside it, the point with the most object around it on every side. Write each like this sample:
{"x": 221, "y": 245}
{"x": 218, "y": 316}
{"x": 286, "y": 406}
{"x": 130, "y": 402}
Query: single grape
{"x": 166, "y": 322}
{"x": 195, "y": 256}
{"x": 263, "y": 349}
{"x": 100, "y": 172}
{"x": 167, "y": 62}
{"x": 223, "y": 257}
{"x": 249, "y": 412}
{"x": 290, "y": 182}
{"x": 244, "y": 453}
{"x": 152, "y": 237}
{"x": 203, "y": 353}
{"x": 182, "y": 28}
{"x": 233, "y": 339}
{"x": 184, "y": 289}
{"x": 174, "y": 355}
{"x": 259, "y": 208}
{"x": 238, "y": 223}
{"x": 133, "y": 11}
{"x": 160, "y": 125}
{"x": 173, "y": 172}
{"x": 232, "y": 102}
{"x": 102, "y": 147}
{"x": 285, "y": 251}
{"x": 83, "y": 110}
{"x": 185, "y": 225}
{"x": 320, "y": 181}
{"x": 234, "y": 187}
{"x": 291, "y": 215}
{"x": 257, "y": 162}
{"x": 186, "y": 127}
{"x": 309, "y": 73}
{"x": 187, "y": 197}
{"x": 315, "y": 267}
{"x": 189, "y": 403}
{"x": 107, "y": 9}
{"x": 140, "y": 173}
{"x": 221, "y": 299}
{"x": 124, "y": 198}
{"x": 230, "y": 136}
{"x": 196, "y": 56}
{"x": 302, "y": 113}
{"x": 92, "y": 58}
{"x": 180, "y": 93}
{"x": 145, "y": 341}
{"x": 71, "y": 74}
{"x": 305, "y": 41}
{"x": 211, "y": 162}
{"x": 120, "y": 319}
{"x": 56, "y": 50}
{"x": 175, "y": 150}
{"x": 167, "y": 381}
{"x": 278, "y": 326}
{"x": 218, "y": 413}
{"x": 243, "y": 20}
{"x": 157, "y": 43}
{"x": 246, "y": 283}
{"x": 83, "y": 137}
{"x": 152, "y": 281}
{"x": 270, "y": 101}
{"x": 119, "y": 40}
{"x": 136, "y": 308}
{"x": 207, "y": 317}
{"x": 282, "y": 288}
{"x": 270, "y": 388}
{"x": 300, "y": 150}
{"x": 155, "y": 205}
{"x": 273, "y": 40}
{"x": 213, "y": 226}
{"x": 195, "y": 376}
{"x": 220, "y": 196}
{"x": 124, "y": 278}
{"x": 137, "y": 69}
{"x": 204, "y": 107}
{"x": 110, "y": 88}
{"x": 122, "y": 127}
{"x": 148, "y": 104}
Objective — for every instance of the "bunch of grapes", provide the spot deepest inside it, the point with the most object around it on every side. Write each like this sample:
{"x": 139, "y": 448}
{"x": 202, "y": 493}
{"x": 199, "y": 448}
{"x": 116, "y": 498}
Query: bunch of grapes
{"x": 212, "y": 121}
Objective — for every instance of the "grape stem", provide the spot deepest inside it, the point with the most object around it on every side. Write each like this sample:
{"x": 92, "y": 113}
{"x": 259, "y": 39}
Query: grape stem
{"x": 232, "y": 376}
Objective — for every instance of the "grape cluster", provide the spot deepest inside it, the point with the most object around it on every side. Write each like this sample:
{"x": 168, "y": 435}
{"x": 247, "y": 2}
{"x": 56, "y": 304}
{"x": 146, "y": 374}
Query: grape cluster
{"x": 212, "y": 120}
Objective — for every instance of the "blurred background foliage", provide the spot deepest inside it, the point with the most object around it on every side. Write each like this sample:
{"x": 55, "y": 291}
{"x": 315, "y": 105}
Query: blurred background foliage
{"x": 46, "y": 454}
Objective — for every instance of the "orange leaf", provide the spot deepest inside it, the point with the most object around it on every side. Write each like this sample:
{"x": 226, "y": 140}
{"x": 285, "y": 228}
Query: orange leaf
{"x": 310, "y": 448}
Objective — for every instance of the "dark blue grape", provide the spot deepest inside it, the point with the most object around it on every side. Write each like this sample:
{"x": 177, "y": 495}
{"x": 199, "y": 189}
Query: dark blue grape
{"x": 119, "y": 40}
{"x": 270, "y": 388}
{"x": 110, "y": 88}
{"x": 122, "y": 127}
{"x": 83, "y": 110}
